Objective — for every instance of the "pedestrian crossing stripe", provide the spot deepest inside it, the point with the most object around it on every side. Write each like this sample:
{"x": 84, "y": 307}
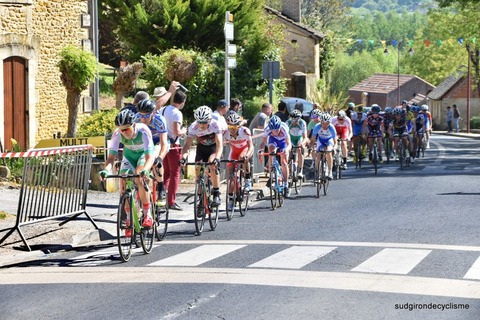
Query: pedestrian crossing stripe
{"x": 474, "y": 271}
{"x": 294, "y": 257}
{"x": 393, "y": 261}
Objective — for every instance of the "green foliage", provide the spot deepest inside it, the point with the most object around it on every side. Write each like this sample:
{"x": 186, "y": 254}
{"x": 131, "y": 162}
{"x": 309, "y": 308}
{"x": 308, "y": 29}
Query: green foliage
{"x": 98, "y": 124}
{"x": 105, "y": 79}
{"x": 15, "y": 164}
{"x": 78, "y": 67}
{"x": 475, "y": 122}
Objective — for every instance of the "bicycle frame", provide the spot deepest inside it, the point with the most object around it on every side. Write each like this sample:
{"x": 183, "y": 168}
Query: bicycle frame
{"x": 276, "y": 179}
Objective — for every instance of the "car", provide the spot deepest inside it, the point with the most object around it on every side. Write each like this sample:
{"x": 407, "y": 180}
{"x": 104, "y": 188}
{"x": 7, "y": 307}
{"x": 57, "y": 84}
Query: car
{"x": 291, "y": 102}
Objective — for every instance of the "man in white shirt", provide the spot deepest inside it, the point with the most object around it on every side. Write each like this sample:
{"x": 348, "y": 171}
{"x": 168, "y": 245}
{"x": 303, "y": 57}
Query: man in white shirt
{"x": 219, "y": 115}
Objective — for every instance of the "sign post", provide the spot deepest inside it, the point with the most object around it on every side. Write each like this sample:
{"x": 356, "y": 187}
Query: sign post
{"x": 270, "y": 71}
{"x": 230, "y": 52}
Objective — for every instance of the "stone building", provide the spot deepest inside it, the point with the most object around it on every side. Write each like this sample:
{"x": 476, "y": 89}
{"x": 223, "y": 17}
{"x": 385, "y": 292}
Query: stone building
{"x": 301, "y": 50}
{"x": 388, "y": 90}
{"x": 32, "y": 34}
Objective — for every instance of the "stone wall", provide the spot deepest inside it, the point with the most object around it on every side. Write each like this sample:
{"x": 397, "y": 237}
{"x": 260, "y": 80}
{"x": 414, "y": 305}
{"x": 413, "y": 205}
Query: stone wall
{"x": 53, "y": 24}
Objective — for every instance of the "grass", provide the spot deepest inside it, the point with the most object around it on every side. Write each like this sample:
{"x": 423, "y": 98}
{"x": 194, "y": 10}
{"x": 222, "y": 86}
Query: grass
{"x": 3, "y": 215}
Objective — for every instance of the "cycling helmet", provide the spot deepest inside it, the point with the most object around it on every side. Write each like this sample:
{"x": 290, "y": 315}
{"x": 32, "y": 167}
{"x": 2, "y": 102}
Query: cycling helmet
{"x": 146, "y": 106}
{"x": 397, "y": 111}
{"x": 326, "y": 117}
{"x": 296, "y": 114}
{"x": 351, "y": 105}
{"x": 376, "y": 108}
{"x": 424, "y": 107}
{"x": 233, "y": 118}
{"x": 203, "y": 114}
{"x": 274, "y": 123}
{"x": 388, "y": 110}
{"x": 359, "y": 109}
{"x": 316, "y": 113}
{"x": 124, "y": 118}
{"x": 404, "y": 101}
{"x": 414, "y": 109}
{"x": 342, "y": 114}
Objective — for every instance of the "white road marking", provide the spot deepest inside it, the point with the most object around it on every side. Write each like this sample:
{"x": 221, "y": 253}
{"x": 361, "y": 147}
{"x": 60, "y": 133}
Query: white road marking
{"x": 99, "y": 257}
{"x": 474, "y": 271}
{"x": 197, "y": 256}
{"x": 286, "y": 278}
{"x": 396, "y": 261}
{"x": 293, "y": 258}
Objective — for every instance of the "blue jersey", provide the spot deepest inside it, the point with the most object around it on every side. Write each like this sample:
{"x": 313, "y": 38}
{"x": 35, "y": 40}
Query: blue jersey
{"x": 157, "y": 126}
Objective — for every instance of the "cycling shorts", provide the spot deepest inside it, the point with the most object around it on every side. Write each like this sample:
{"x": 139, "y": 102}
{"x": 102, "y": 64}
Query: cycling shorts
{"x": 130, "y": 165}
{"x": 281, "y": 145}
{"x": 204, "y": 152}
{"x": 325, "y": 145}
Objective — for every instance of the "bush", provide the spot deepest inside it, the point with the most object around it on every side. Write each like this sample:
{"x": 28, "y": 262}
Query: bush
{"x": 15, "y": 164}
{"x": 475, "y": 122}
{"x": 98, "y": 124}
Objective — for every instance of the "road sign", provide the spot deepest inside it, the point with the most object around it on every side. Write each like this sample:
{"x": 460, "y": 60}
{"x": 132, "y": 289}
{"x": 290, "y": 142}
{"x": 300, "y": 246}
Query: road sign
{"x": 97, "y": 142}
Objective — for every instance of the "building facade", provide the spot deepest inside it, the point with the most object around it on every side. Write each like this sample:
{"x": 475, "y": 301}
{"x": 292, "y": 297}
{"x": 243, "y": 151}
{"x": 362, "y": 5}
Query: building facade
{"x": 32, "y": 34}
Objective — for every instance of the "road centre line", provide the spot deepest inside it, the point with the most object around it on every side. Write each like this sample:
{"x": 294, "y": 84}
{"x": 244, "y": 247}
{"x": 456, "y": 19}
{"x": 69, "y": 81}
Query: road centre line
{"x": 330, "y": 244}
{"x": 268, "y": 277}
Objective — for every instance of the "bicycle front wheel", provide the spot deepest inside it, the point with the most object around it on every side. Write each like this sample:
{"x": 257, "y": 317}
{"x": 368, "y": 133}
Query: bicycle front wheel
{"x": 231, "y": 186}
{"x": 125, "y": 232}
{"x": 199, "y": 207}
{"x": 161, "y": 221}
{"x": 281, "y": 189}
{"x": 242, "y": 195}
{"x": 213, "y": 217}
{"x": 317, "y": 181}
{"x": 147, "y": 235}
{"x": 375, "y": 159}
{"x": 325, "y": 180}
{"x": 273, "y": 187}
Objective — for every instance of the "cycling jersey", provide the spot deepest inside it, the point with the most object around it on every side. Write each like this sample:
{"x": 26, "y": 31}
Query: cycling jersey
{"x": 239, "y": 143}
{"x": 204, "y": 137}
{"x": 374, "y": 125}
{"x": 157, "y": 126}
{"x": 342, "y": 127}
{"x": 296, "y": 131}
{"x": 420, "y": 122}
{"x": 325, "y": 137}
{"x": 358, "y": 119}
{"x": 279, "y": 141}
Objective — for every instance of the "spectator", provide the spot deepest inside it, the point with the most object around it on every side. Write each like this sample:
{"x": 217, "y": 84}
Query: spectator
{"x": 171, "y": 163}
{"x": 315, "y": 107}
{"x": 139, "y": 96}
{"x": 456, "y": 118}
{"x": 236, "y": 105}
{"x": 282, "y": 112}
{"x": 219, "y": 115}
{"x": 162, "y": 95}
{"x": 449, "y": 119}
{"x": 260, "y": 120}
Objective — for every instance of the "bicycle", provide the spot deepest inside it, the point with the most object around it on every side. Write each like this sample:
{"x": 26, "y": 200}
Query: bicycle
{"x": 402, "y": 155}
{"x": 338, "y": 161}
{"x": 161, "y": 215}
{"x": 422, "y": 146}
{"x": 359, "y": 151}
{"x": 321, "y": 180}
{"x": 374, "y": 152}
{"x": 240, "y": 196}
{"x": 293, "y": 180}
{"x": 202, "y": 205}
{"x": 277, "y": 190}
{"x": 128, "y": 211}
{"x": 388, "y": 147}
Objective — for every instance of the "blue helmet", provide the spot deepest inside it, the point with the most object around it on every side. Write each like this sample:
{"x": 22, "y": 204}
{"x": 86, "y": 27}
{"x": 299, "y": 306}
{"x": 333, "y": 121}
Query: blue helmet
{"x": 274, "y": 123}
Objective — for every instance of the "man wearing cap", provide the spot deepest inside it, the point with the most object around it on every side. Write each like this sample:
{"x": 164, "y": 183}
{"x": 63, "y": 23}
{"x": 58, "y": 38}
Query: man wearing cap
{"x": 219, "y": 115}
{"x": 162, "y": 95}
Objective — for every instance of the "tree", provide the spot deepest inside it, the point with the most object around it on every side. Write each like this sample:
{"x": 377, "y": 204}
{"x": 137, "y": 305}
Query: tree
{"x": 125, "y": 81}
{"x": 462, "y": 3}
{"x": 326, "y": 15}
{"x": 78, "y": 69}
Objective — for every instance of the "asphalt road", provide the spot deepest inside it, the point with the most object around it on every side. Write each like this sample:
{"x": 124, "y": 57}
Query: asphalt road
{"x": 399, "y": 245}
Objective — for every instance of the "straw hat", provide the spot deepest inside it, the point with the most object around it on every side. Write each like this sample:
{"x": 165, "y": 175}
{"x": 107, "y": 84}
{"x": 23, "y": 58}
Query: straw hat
{"x": 159, "y": 91}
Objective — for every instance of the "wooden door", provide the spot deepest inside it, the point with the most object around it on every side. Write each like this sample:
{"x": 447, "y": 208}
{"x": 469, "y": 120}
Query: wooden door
{"x": 15, "y": 102}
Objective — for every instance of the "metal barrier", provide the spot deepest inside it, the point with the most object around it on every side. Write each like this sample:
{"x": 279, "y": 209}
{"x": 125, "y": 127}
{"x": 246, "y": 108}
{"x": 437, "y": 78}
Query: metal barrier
{"x": 258, "y": 167}
{"x": 55, "y": 184}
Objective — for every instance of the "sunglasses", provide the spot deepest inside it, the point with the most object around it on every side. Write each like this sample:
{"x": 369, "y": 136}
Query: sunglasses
{"x": 144, "y": 116}
{"x": 126, "y": 129}
{"x": 233, "y": 126}
{"x": 203, "y": 122}
{"x": 340, "y": 119}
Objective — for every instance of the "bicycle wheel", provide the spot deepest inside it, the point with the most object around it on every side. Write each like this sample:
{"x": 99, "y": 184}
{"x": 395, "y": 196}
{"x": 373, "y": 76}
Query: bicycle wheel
{"x": 401, "y": 153}
{"x": 147, "y": 235}
{"x": 161, "y": 221}
{"x": 125, "y": 230}
{"x": 241, "y": 194}
{"x": 375, "y": 158}
{"x": 298, "y": 185}
{"x": 317, "y": 181}
{"x": 199, "y": 206}
{"x": 358, "y": 164}
{"x": 230, "y": 181}
{"x": 243, "y": 203}
{"x": 273, "y": 187}
{"x": 213, "y": 217}
{"x": 281, "y": 190}
{"x": 336, "y": 165}
{"x": 325, "y": 180}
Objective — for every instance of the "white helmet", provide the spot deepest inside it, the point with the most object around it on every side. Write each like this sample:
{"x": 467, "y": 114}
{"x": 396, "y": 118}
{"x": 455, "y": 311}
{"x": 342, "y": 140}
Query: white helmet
{"x": 203, "y": 114}
{"x": 326, "y": 117}
{"x": 233, "y": 118}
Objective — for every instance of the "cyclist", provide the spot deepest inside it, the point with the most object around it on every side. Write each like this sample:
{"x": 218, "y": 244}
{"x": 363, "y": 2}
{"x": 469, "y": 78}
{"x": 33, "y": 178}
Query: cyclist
{"x": 375, "y": 127}
{"x": 387, "y": 119}
{"x": 398, "y": 128}
{"x": 314, "y": 120}
{"x": 278, "y": 138}
{"x": 343, "y": 127}
{"x": 428, "y": 123}
{"x": 420, "y": 126}
{"x": 241, "y": 147}
{"x": 208, "y": 135}
{"x": 297, "y": 128}
{"x": 158, "y": 126}
{"x": 138, "y": 157}
{"x": 358, "y": 128}
{"x": 326, "y": 137}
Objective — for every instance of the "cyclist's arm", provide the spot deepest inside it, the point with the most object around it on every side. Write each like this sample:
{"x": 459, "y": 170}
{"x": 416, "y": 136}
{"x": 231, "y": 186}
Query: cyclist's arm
{"x": 263, "y": 143}
{"x": 186, "y": 147}
{"x": 163, "y": 145}
{"x": 219, "y": 149}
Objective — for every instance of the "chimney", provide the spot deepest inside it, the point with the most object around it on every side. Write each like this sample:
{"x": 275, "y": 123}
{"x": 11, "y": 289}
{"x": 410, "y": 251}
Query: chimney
{"x": 291, "y": 9}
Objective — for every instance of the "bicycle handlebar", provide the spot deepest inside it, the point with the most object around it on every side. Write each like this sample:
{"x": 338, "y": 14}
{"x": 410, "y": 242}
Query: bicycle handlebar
{"x": 199, "y": 163}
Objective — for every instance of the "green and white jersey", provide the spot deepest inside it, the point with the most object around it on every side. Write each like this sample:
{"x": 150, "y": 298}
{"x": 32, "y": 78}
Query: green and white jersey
{"x": 296, "y": 130}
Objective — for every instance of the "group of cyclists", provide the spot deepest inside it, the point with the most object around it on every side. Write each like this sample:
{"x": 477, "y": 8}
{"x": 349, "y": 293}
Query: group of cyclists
{"x": 144, "y": 138}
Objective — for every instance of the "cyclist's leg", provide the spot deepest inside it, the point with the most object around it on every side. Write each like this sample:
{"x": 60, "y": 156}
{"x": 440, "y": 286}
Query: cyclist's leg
{"x": 301, "y": 159}
{"x": 143, "y": 193}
